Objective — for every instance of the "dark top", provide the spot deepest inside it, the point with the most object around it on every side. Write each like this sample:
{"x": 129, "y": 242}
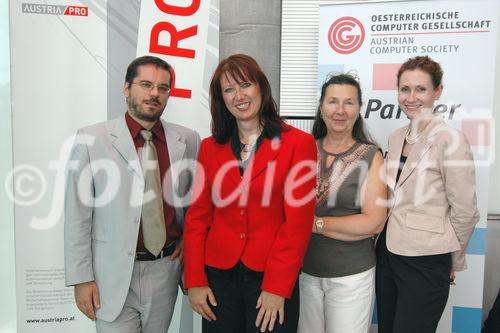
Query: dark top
{"x": 402, "y": 161}
{"x": 174, "y": 230}
{"x": 338, "y": 194}
{"x": 236, "y": 146}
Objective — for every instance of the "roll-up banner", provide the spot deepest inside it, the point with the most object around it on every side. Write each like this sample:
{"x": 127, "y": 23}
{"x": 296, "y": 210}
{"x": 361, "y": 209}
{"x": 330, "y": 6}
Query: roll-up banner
{"x": 68, "y": 63}
{"x": 374, "y": 39}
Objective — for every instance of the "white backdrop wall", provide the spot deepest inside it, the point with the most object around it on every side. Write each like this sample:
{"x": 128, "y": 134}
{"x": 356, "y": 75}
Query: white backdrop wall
{"x": 7, "y": 273}
{"x": 493, "y": 205}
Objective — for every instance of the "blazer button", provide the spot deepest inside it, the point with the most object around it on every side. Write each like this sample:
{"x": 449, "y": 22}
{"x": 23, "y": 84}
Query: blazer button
{"x": 242, "y": 235}
{"x": 242, "y": 212}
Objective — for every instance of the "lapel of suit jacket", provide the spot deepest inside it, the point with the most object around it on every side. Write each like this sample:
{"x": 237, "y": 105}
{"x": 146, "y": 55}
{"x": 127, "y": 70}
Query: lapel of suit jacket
{"x": 267, "y": 152}
{"x": 420, "y": 148}
{"x": 224, "y": 154}
{"x": 176, "y": 148}
{"x": 123, "y": 143}
{"x": 394, "y": 155}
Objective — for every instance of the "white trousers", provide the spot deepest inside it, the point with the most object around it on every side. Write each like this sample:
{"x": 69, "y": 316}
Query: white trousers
{"x": 336, "y": 305}
{"x": 150, "y": 301}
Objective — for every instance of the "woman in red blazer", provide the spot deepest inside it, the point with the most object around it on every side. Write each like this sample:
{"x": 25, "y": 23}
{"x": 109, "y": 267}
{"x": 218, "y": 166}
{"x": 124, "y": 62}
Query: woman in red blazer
{"x": 252, "y": 210}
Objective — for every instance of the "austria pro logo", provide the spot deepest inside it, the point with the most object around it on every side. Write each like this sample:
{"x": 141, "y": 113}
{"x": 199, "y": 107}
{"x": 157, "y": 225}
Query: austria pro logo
{"x": 346, "y": 35}
{"x": 36, "y": 8}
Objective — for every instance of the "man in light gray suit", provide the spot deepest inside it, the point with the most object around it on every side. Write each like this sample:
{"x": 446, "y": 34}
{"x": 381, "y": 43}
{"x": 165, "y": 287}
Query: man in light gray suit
{"x": 121, "y": 280}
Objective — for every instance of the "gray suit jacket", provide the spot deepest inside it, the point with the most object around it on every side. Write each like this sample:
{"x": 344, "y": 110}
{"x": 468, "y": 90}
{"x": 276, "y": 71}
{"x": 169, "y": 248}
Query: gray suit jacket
{"x": 433, "y": 206}
{"x": 103, "y": 200}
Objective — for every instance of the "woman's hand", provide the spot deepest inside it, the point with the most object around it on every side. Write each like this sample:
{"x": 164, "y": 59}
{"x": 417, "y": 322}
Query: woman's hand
{"x": 452, "y": 278}
{"x": 271, "y": 306}
{"x": 198, "y": 299}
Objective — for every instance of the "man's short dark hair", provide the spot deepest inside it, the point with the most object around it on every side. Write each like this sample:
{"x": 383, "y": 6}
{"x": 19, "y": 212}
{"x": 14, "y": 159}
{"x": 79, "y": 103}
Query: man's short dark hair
{"x": 146, "y": 60}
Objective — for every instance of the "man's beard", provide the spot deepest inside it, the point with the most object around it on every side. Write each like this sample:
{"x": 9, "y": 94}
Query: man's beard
{"x": 138, "y": 111}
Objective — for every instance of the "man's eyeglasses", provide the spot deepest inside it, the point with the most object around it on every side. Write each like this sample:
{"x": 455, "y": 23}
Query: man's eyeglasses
{"x": 148, "y": 86}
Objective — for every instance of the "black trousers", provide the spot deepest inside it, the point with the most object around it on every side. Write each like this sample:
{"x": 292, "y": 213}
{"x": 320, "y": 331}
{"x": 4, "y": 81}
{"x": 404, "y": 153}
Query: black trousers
{"x": 492, "y": 323}
{"x": 411, "y": 291}
{"x": 236, "y": 291}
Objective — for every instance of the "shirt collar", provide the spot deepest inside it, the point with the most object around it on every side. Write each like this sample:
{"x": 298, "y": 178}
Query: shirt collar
{"x": 135, "y": 128}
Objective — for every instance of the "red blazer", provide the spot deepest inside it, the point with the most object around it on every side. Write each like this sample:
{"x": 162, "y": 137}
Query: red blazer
{"x": 270, "y": 231}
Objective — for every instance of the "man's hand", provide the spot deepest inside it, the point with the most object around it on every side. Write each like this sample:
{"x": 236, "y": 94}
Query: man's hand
{"x": 271, "y": 306}
{"x": 87, "y": 298}
{"x": 198, "y": 299}
{"x": 179, "y": 250}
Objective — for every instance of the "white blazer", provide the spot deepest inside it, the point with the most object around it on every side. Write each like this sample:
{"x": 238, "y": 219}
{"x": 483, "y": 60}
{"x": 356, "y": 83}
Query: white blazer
{"x": 433, "y": 208}
{"x": 101, "y": 227}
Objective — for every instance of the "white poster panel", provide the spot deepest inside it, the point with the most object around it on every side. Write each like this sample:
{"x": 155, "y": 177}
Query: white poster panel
{"x": 58, "y": 80}
{"x": 374, "y": 39}
{"x": 62, "y": 68}
{"x": 185, "y": 35}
